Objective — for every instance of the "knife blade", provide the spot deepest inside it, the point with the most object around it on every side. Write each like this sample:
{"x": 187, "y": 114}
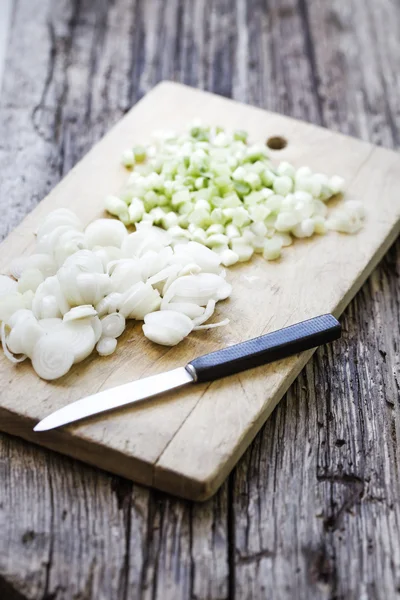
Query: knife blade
{"x": 228, "y": 361}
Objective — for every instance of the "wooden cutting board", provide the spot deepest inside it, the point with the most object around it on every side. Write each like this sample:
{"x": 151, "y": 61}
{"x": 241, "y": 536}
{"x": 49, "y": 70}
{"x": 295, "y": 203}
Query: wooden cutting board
{"x": 187, "y": 442}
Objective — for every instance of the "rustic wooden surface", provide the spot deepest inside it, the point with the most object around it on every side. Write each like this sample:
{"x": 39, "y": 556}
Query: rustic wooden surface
{"x": 186, "y": 443}
{"x": 312, "y": 510}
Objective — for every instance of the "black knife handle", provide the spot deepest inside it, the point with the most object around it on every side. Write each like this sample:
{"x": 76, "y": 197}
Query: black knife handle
{"x": 266, "y": 348}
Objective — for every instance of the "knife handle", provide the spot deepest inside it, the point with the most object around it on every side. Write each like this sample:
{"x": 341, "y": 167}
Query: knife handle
{"x": 265, "y": 349}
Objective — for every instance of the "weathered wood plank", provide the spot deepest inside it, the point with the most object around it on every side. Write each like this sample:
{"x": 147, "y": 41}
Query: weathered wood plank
{"x": 298, "y": 526}
{"x": 322, "y": 519}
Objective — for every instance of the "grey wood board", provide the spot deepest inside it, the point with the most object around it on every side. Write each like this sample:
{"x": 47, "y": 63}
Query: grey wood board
{"x": 304, "y": 515}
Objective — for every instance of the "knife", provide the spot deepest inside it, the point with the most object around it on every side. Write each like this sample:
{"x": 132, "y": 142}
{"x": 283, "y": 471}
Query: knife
{"x": 233, "y": 359}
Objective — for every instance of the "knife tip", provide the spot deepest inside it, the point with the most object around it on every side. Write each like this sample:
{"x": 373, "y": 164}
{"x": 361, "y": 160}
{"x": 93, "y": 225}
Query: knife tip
{"x": 41, "y": 426}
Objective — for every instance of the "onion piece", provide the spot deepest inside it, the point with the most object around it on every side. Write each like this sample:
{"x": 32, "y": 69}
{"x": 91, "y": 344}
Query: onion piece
{"x": 43, "y": 262}
{"x": 143, "y": 240}
{"x": 107, "y": 255}
{"x": 56, "y": 219}
{"x": 124, "y": 274}
{"x": 48, "y": 243}
{"x": 68, "y": 244}
{"x": 97, "y": 328}
{"x": 167, "y": 328}
{"x": 113, "y": 325}
{"x": 106, "y": 346}
{"x": 7, "y": 285}
{"x": 30, "y": 280}
{"x": 9, "y": 304}
{"x": 92, "y": 287}
{"x": 52, "y": 357}
{"x": 105, "y": 232}
{"x": 189, "y": 309}
{"x": 211, "y": 325}
{"x": 51, "y": 325}
{"x": 139, "y": 300}
{"x": 198, "y": 289}
{"x": 45, "y": 306}
{"x": 206, "y": 259}
{"x": 163, "y": 274}
{"x": 108, "y": 304}
{"x": 208, "y": 313}
{"x": 80, "y": 337}
{"x": 20, "y": 315}
{"x": 79, "y": 312}
{"x": 24, "y": 335}
{"x": 6, "y": 351}
{"x": 86, "y": 261}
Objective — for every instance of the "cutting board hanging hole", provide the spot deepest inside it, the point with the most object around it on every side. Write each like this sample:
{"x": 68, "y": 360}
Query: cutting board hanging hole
{"x": 276, "y": 142}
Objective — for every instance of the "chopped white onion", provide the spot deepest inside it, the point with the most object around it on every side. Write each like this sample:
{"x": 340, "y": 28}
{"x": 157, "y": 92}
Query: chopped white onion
{"x": 212, "y": 325}
{"x": 108, "y": 304}
{"x": 209, "y": 311}
{"x": 6, "y": 351}
{"x": 7, "y": 285}
{"x": 139, "y": 300}
{"x": 106, "y": 346}
{"x": 105, "y": 232}
{"x": 30, "y": 280}
{"x": 189, "y": 309}
{"x": 9, "y": 304}
{"x": 80, "y": 312}
{"x": 80, "y": 337}
{"x": 51, "y": 325}
{"x": 52, "y": 357}
{"x": 113, "y": 325}
{"x": 167, "y": 328}
{"x": 24, "y": 335}
{"x": 43, "y": 262}
{"x": 97, "y": 328}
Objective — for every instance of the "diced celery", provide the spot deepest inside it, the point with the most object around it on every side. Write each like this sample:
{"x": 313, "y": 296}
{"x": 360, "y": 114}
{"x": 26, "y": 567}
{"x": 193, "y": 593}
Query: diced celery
{"x": 139, "y": 153}
{"x": 240, "y": 135}
{"x": 181, "y": 197}
{"x": 242, "y": 188}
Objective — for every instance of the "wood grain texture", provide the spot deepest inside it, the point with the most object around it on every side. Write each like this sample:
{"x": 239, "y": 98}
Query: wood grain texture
{"x": 293, "y": 521}
{"x": 186, "y": 443}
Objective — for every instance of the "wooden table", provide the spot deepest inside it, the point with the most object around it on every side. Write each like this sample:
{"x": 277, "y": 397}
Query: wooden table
{"x": 312, "y": 510}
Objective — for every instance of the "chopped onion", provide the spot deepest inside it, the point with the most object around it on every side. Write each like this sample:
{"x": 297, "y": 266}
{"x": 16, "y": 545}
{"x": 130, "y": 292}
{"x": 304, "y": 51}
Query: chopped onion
{"x": 139, "y": 300}
{"x": 198, "y": 289}
{"x": 52, "y": 356}
{"x": 167, "y": 328}
{"x": 7, "y": 285}
{"x": 211, "y": 325}
{"x": 79, "y": 336}
{"x": 6, "y": 351}
{"x": 113, "y": 325}
{"x": 51, "y": 325}
{"x": 97, "y": 328}
{"x": 108, "y": 304}
{"x": 30, "y": 280}
{"x": 107, "y": 255}
{"x": 105, "y": 232}
{"x": 152, "y": 238}
{"x": 209, "y": 311}
{"x": 9, "y": 304}
{"x": 56, "y": 219}
{"x": 189, "y": 309}
{"x": 106, "y": 346}
{"x": 125, "y": 273}
{"x": 19, "y": 315}
{"x": 80, "y": 312}
{"x": 85, "y": 261}
{"x": 43, "y": 262}
{"x": 24, "y": 335}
